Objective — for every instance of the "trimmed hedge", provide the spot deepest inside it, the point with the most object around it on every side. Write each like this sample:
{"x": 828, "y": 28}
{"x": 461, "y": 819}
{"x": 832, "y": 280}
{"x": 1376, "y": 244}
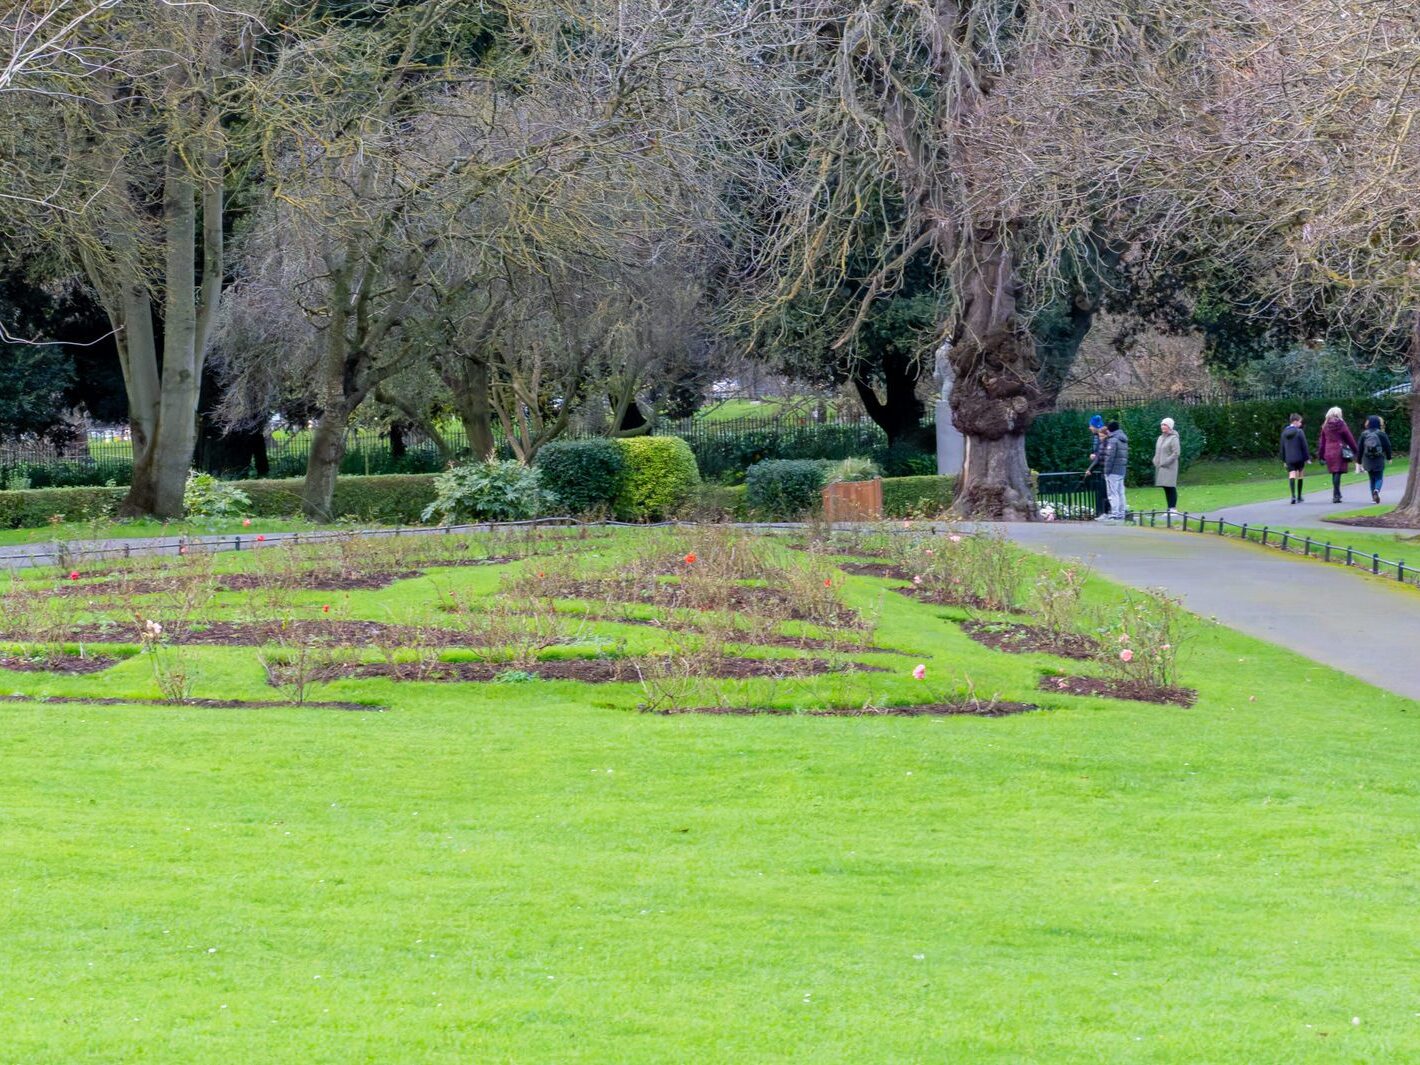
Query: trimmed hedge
{"x": 912, "y": 497}
{"x": 389, "y": 499}
{"x": 1060, "y": 442}
{"x": 584, "y": 476}
{"x": 33, "y": 508}
{"x": 903, "y": 497}
{"x": 1246, "y": 430}
{"x": 396, "y": 499}
{"x": 661, "y": 477}
{"x": 784, "y": 489}
{"x": 1252, "y": 429}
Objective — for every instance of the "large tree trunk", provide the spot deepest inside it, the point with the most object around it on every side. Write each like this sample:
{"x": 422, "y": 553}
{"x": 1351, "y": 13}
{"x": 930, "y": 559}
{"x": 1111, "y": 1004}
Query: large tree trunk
{"x": 469, "y": 383}
{"x": 995, "y": 394}
{"x": 177, "y": 421}
{"x": 1408, "y": 512}
{"x": 163, "y": 409}
{"x": 899, "y": 412}
{"x": 138, "y": 357}
{"x": 323, "y": 465}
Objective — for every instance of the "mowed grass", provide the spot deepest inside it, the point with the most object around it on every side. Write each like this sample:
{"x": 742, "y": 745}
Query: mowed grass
{"x": 537, "y": 872}
{"x": 136, "y": 528}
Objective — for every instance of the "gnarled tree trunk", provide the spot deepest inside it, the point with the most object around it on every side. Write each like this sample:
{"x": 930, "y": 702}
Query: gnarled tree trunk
{"x": 1408, "y": 512}
{"x": 898, "y": 412}
{"x": 995, "y": 393}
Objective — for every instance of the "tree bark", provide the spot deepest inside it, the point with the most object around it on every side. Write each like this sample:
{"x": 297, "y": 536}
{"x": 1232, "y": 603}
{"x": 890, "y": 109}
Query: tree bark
{"x": 323, "y": 466}
{"x": 470, "y": 384}
{"x": 996, "y": 393}
{"x": 177, "y": 420}
{"x": 1408, "y": 513}
{"x": 899, "y": 412}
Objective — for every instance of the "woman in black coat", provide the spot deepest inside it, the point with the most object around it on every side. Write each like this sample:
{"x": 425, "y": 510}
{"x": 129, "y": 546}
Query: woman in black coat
{"x": 1373, "y": 451}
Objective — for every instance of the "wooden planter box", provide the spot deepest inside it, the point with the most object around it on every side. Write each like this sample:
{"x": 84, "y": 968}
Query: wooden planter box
{"x": 854, "y": 501}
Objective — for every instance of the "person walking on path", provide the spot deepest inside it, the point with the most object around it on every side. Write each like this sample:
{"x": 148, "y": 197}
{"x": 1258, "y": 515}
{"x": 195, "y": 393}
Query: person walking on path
{"x": 1336, "y": 447}
{"x": 1166, "y": 460}
{"x": 1115, "y": 461}
{"x": 1098, "y": 435}
{"x": 1295, "y": 454}
{"x": 1375, "y": 451}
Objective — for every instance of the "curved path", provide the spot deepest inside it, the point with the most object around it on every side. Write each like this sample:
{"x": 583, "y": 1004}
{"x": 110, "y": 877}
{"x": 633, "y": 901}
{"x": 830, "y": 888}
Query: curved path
{"x": 1316, "y": 506}
{"x": 1317, "y": 610}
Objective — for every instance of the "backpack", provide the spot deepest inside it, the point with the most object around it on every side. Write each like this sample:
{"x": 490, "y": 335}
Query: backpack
{"x": 1371, "y": 445}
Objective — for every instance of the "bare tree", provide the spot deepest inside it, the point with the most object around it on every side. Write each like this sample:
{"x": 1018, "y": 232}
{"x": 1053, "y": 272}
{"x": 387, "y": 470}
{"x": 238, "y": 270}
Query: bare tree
{"x": 1012, "y": 145}
{"x": 42, "y": 42}
{"x": 422, "y": 198}
{"x": 1312, "y": 170}
{"x": 122, "y": 162}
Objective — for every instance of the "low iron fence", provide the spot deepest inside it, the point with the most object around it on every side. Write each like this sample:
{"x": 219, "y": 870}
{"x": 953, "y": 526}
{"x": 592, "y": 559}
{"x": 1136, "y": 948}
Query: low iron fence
{"x": 1282, "y": 540}
{"x": 1071, "y": 496}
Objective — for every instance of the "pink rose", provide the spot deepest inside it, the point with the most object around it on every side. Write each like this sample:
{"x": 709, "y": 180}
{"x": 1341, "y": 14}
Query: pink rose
{"x": 919, "y": 672}
{"x": 1126, "y": 655}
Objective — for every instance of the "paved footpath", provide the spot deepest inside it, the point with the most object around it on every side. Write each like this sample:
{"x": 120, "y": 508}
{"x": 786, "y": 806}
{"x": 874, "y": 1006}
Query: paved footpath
{"x": 1317, "y": 610}
{"x": 1314, "y": 508}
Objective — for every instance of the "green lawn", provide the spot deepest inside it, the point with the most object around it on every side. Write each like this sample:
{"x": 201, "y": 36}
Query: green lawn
{"x": 1395, "y": 547}
{"x": 536, "y": 872}
{"x": 1212, "y": 485}
{"x": 146, "y": 527}
{"x": 733, "y": 409}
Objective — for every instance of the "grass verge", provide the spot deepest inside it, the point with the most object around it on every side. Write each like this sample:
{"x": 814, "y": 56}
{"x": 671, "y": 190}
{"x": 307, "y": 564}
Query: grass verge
{"x": 536, "y": 872}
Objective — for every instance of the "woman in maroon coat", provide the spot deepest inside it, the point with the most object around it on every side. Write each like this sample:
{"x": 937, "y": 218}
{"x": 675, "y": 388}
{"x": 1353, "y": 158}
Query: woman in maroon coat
{"x": 1336, "y": 447}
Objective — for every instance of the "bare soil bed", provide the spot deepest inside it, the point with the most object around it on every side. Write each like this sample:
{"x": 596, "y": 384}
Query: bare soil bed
{"x": 1111, "y": 688}
{"x": 876, "y": 569}
{"x": 586, "y": 670}
{"x": 1390, "y": 520}
{"x": 261, "y": 633}
{"x": 1030, "y": 639}
{"x": 942, "y": 597}
{"x": 203, "y": 704}
{"x": 968, "y": 709}
{"x": 674, "y": 596}
{"x": 74, "y": 665}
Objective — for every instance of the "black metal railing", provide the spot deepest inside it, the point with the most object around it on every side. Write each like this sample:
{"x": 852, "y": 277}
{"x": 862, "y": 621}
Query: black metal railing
{"x": 1072, "y": 495}
{"x": 1281, "y": 540}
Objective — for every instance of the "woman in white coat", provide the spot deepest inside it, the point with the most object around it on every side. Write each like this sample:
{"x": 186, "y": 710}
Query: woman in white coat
{"x": 1166, "y": 456}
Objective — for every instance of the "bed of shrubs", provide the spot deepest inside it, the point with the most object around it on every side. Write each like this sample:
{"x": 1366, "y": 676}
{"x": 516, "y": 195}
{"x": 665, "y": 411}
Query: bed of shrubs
{"x": 643, "y": 479}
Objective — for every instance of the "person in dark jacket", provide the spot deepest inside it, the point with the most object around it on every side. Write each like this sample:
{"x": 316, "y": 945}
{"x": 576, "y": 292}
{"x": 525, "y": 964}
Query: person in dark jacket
{"x": 1098, "y": 435}
{"x": 1336, "y": 447}
{"x": 1373, "y": 451}
{"x": 1295, "y": 454}
{"x": 1115, "y": 461}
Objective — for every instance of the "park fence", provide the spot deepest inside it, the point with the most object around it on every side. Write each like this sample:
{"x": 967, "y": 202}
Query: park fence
{"x": 1281, "y": 540}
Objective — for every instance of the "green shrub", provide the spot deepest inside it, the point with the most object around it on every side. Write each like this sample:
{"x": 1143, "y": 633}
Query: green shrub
{"x": 34, "y": 508}
{"x": 661, "y": 477}
{"x": 583, "y": 476}
{"x": 718, "y": 502}
{"x": 495, "y": 490}
{"x": 905, "y": 460}
{"x": 206, "y": 497}
{"x": 785, "y": 489}
{"x": 911, "y": 497}
{"x": 854, "y": 469}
